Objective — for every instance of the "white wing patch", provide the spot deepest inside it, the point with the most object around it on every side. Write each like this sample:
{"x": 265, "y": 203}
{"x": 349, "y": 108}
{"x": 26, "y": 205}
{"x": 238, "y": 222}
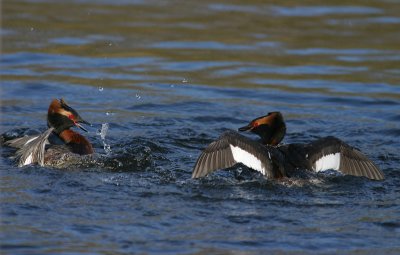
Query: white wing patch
{"x": 330, "y": 161}
{"x": 249, "y": 160}
{"x": 28, "y": 161}
{"x": 30, "y": 140}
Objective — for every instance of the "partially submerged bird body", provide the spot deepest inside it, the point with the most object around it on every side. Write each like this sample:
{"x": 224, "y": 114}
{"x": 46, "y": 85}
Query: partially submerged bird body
{"x": 277, "y": 161}
{"x": 57, "y": 141}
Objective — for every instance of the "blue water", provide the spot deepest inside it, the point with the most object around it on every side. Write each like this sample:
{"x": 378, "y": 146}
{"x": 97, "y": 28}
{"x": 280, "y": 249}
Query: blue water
{"x": 168, "y": 79}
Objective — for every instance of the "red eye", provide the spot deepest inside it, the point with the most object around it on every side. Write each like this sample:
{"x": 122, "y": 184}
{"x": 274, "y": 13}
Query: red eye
{"x": 255, "y": 124}
{"x": 71, "y": 117}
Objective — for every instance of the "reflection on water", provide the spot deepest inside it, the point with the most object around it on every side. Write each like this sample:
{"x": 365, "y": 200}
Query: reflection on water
{"x": 168, "y": 77}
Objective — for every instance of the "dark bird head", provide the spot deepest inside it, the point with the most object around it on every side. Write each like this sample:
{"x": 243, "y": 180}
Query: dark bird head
{"x": 271, "y": 128}
{"x": 61, "y": 116}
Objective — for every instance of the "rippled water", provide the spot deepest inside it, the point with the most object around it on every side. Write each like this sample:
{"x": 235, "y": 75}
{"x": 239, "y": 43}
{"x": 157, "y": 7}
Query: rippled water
{"x": 168, "y": 77}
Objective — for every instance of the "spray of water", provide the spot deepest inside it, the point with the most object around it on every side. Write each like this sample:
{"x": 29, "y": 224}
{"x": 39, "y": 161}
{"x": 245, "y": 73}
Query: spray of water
{"x": 103, "y": 133}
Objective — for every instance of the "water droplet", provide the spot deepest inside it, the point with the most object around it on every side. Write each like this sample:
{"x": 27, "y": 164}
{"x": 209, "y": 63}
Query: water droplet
{"x": 107, "y": 148}
{"x": 32, "y": 29}
{"x": 172, "y": 86}
{"x": 185, "y": 80}
{"x": 110, "y": 44}
{"x": 101, "y": 89}
{"x": 138, "y": 97}
{"x": 104, "y": 130}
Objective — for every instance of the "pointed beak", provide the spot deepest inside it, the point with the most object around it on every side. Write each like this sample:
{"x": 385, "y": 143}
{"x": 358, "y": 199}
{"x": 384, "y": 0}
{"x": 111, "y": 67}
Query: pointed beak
{"x": 84, "y": 122}
{"x": 81, "y": 127}
{"x": 246, "y": 128}
{"x": 80, "y": 120}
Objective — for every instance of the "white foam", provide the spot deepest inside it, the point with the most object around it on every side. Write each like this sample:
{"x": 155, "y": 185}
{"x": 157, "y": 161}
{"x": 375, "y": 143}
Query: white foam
{"x": 246, "y": 158}
{"x": 330, "y": 161}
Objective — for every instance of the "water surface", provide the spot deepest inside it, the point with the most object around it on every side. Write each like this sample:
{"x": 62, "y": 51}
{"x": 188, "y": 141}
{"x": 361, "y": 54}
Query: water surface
{"x": 168, "y": 77}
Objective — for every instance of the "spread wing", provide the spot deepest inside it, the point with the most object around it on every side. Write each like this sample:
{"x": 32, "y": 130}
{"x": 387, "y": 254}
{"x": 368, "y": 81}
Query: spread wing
{"x": 232, "y": 148}
{"x": 31, "y": 149}
{"x": 332, "y": 153}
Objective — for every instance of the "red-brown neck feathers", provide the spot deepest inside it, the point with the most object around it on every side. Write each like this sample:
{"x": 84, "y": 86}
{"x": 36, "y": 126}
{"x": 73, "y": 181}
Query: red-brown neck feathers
{"x": 78, "y": 143}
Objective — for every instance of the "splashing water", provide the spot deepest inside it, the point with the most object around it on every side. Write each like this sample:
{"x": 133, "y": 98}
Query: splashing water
{"x": 103, "y": 133}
